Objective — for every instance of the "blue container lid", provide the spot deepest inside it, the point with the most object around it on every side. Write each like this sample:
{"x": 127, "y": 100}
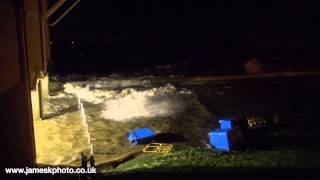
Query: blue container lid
{"x": 140, "y": 134}
{"x": 226, "y": 123}
{"x": 234, "y": 122}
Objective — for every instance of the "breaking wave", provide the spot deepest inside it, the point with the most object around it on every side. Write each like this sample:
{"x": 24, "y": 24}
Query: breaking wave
{"x": 130, "y": 103}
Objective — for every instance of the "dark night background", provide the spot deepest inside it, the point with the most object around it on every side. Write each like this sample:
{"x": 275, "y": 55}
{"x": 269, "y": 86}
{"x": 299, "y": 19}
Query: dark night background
{"x": 194, "y": 37}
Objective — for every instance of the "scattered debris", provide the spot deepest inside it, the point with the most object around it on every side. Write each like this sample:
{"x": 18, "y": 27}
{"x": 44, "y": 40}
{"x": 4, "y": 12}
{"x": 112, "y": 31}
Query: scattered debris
{"x": 158, "y": 148}
{"x": 255, "y": 121}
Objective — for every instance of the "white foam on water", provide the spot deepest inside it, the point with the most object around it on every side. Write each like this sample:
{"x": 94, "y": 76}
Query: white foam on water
{"x": 95, "y": 96}
{"x": 130, "y": 103}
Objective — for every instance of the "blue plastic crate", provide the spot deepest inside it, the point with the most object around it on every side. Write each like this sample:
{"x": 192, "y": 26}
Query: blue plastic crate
{"x": 232, "y": 123}
{"x": 225, "y": 139}
{"x": 141, "y": 136}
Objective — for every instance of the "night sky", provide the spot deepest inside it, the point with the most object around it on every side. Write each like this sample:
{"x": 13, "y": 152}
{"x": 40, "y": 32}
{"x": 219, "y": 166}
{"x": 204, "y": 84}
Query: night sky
{"x": 121, "y": 34}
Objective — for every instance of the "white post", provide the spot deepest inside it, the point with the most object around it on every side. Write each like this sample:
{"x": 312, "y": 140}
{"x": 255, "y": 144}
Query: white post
{"x": 91, "y": 149}
{"x": 89, "y": 139}
{"x": 86, "y": 129}
{"x": 82, "y": 111}
{"x": 83, "y": 121}
{"x": 79, "y": 102}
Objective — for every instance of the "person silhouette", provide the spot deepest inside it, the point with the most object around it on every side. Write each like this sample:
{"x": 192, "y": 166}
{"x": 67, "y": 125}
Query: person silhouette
{"x": 84, "y": 161}
{"x": 91, "y": 160}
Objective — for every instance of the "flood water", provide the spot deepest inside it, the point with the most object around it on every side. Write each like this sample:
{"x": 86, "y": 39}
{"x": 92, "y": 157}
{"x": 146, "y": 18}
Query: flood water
{"x": 182, "y": 111}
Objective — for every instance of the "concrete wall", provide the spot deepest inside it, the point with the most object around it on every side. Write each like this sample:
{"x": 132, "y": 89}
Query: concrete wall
{"x": 17, "y": 137}
{"x": 33, "y": 40}
{"x": 9, "y": 69}
{"x": 38, "y": 52}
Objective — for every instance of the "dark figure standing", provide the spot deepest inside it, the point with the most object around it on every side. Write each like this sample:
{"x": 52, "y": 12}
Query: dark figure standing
{"x": 84, "y": 161}
{"x": 91, "y": 160}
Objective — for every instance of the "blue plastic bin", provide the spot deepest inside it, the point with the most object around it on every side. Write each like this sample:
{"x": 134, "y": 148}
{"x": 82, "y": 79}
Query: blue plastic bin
{"x": 225, "y": 139}
{"x": 242, "y": 123}
{"x": 141, "y": 136}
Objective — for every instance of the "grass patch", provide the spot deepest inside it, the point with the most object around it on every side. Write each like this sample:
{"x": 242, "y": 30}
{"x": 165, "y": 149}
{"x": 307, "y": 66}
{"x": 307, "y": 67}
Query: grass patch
{"x": 206, "y": 159}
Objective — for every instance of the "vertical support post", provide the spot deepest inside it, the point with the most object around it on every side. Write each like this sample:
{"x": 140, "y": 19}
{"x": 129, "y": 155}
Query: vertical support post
{"x": 91, "y": 149}
{"x": 40, "y": 100}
